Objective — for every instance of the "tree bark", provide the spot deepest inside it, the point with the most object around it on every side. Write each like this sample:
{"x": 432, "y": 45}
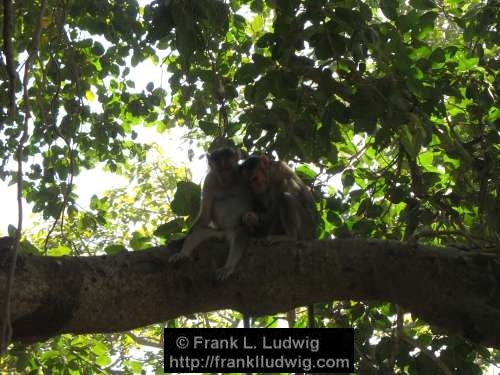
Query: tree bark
{"x": 456, "y": 291}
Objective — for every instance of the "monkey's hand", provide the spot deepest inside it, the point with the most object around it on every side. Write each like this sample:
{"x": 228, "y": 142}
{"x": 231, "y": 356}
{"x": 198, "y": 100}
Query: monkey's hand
{"x": 178, "y": 257}
{"x": 223, "y": 273}
{"x": 250, "y": 219}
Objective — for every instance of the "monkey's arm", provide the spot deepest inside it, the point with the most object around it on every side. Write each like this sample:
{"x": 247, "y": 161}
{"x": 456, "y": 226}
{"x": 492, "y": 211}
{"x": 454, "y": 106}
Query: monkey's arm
{"x": 207, "y": 201}
{"x": 265, "y": 219}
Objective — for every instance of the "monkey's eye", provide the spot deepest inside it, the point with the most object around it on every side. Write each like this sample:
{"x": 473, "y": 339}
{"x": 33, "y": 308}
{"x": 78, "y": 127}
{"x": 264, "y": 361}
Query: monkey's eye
{"x": 222, "y": 154}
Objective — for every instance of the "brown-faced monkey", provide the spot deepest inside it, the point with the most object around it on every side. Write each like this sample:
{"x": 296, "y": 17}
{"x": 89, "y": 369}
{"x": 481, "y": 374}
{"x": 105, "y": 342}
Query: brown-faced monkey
{"x": 225, "y": 200}
{"x": 287, "y": 207}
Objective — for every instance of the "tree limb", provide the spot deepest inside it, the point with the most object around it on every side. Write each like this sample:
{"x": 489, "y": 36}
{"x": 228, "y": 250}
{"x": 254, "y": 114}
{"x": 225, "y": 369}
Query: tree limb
{"x": 456, "y": 291}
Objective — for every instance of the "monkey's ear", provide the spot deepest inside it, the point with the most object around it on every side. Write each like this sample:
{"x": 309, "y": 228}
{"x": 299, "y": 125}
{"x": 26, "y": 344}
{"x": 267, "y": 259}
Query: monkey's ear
{"x": 264, "y": 161}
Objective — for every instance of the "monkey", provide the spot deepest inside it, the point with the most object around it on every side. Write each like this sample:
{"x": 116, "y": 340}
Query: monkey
{"x": 226, "y": 202}
{"x": 287, "y": 206}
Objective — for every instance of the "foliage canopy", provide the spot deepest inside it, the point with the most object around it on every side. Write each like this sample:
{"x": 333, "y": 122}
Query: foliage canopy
{"x": 396, "y": 99}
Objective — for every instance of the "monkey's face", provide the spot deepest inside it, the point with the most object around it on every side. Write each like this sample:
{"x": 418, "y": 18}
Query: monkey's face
{"x": 226, "y": 168}
{"x": 258, "y": 181}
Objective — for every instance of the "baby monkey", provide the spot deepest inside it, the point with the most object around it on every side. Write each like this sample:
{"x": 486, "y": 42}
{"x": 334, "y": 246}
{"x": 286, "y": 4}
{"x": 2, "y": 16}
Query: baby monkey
{"x": 287, "y": 208}
{"x": 225, "y": 201}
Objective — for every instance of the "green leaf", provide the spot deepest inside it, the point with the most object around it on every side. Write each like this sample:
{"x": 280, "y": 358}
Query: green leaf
{"x": 257, "y": 24}
{"x": 90, "y": 96}
{"x": 59, "y": 251}
{"x": 428, "y": 19}
{"x": 366, "y": 124}
{"x": 334, "y": 204}
{"x": 338, "y": 111}
{"x": 139, "y": 241}
{"x": 98, "y": 49}
{"x": 410, "y": 142}
{"x": 23, "y": 361}
{"x": 28, "y": 248}
{"x": 114, "y": 249}
{"x": 208, "y": 127}
{"x": 364, "y": 227}
{"x": 426, "y": 159}
{"x": 257, "y": 6}
{"x": 397, "y": 194}
{"x": 334, "y": 218}
{"x": 170, "y": 228}
{"x": 423, "y": 4}
{"x": 365, "y": 11}
{"x": 438, "y": 55}
{"x": 418, "y": 88}
{"x": 389, "y": 8}
{"x": 103, "y": 360}
{"x": 186, "y": 199}
{"x": 135, "y": 366}
{"x": 467, "y": 63}
{"x": 408, "y": 21}
{"x": 306, "y": 173}
{"x": 100, "y": 348}
{"x": 12, "y": 231}
{"x": 347, "y": 179}
{"x": 246, "y": 73}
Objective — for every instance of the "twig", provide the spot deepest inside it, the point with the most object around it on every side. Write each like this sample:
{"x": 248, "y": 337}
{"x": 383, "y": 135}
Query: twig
{"x": 144, "y": 342}
{"x": 8, "y": 49}
{"x": 6, "y": 327}
{"x": 397, "y": 334}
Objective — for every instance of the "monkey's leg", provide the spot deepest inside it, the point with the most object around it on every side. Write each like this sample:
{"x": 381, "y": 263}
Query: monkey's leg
{"x": 238, "y": 242}
{"x": 193, "y": 240}
{"x": 289, "y": 222}
{"x": 310, "y": 316}
{"x": 246, "y": 321}
{"x": 291, "y": 317}
{"x": 290, "y": 216}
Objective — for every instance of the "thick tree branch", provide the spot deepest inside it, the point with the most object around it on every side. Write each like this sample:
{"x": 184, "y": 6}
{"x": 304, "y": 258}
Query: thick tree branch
{"x": 455, "y": 290}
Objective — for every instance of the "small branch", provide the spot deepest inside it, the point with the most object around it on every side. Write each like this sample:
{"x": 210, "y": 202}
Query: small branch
{"x": 144, "y": 342}
{"x": 442, "y": 366}
{"x": 450, "y": 233}
{"x": 8, "y": 50}
{"x": 369, "y": 359}
{"x": 397, "y": 335}
{"x": 6, "y": 327}
{"x": 92, "y": 365}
